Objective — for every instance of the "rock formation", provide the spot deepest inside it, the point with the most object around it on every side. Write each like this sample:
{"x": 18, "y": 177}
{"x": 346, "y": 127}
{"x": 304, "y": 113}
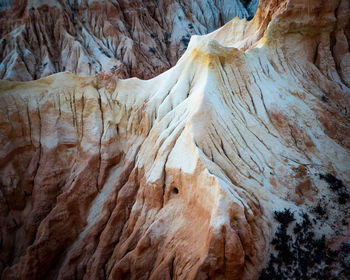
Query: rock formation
{"x": 235, "y": 160}
{"x": 128, "y": 38}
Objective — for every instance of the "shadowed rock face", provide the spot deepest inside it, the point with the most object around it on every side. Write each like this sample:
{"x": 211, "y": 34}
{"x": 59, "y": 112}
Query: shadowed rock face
{"x": 178, "y": 177}
{"x": 128, "y": 38}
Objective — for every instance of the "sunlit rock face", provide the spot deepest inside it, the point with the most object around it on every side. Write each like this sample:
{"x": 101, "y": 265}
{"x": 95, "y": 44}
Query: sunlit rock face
{"x": 188, "y": 175}
{"x": 128, "y": 38}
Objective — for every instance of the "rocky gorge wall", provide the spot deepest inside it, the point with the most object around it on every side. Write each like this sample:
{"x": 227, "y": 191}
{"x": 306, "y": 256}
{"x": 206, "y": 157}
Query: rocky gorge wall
{"x": 233, "y": 164}
{"x": 127, "y": 38}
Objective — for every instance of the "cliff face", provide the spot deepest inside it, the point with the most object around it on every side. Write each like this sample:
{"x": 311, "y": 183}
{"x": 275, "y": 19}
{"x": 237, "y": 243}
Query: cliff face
{"x": 128, "y": 38}
{"x": 188, "y": 175}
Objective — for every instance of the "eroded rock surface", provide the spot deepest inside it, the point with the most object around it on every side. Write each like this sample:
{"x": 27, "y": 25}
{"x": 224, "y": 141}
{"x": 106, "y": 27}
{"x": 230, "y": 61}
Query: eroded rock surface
{"x": 179, "y": 177}
{"x": 128, "y": 38}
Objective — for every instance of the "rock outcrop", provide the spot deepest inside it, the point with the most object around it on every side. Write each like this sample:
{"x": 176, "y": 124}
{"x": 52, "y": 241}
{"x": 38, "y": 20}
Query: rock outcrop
{"x": 188, "y": 175}
{"x": 128, "y": 38}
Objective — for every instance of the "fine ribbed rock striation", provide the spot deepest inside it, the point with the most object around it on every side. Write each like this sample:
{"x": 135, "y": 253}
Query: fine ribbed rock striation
{"x": 235, "y": 160}
{"x": 127, "y": 38}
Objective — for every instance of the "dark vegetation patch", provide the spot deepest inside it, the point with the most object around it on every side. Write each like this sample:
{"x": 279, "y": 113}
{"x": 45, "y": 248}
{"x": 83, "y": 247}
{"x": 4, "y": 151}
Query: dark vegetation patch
{"x": 302, "y": 255}
{"x": 185, "y": 40}
{"x": 334, "y": 183}
{"x": 104, "y": 52}
{"x": 337, "y": 186}
{"x": 114, "y": 68}
{"x": 324, "y": 98}
{"x": 284, "y": 217}
{"x": 167, "y": 37}
{"x": 320, "y": 211}
{"x": 152, "y": 50}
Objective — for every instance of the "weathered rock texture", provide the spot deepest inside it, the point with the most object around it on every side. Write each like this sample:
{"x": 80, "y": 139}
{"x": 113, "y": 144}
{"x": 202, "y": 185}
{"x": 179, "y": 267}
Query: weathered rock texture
{"x": 178, "y": 177}
{"x": 128, "y": 38}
